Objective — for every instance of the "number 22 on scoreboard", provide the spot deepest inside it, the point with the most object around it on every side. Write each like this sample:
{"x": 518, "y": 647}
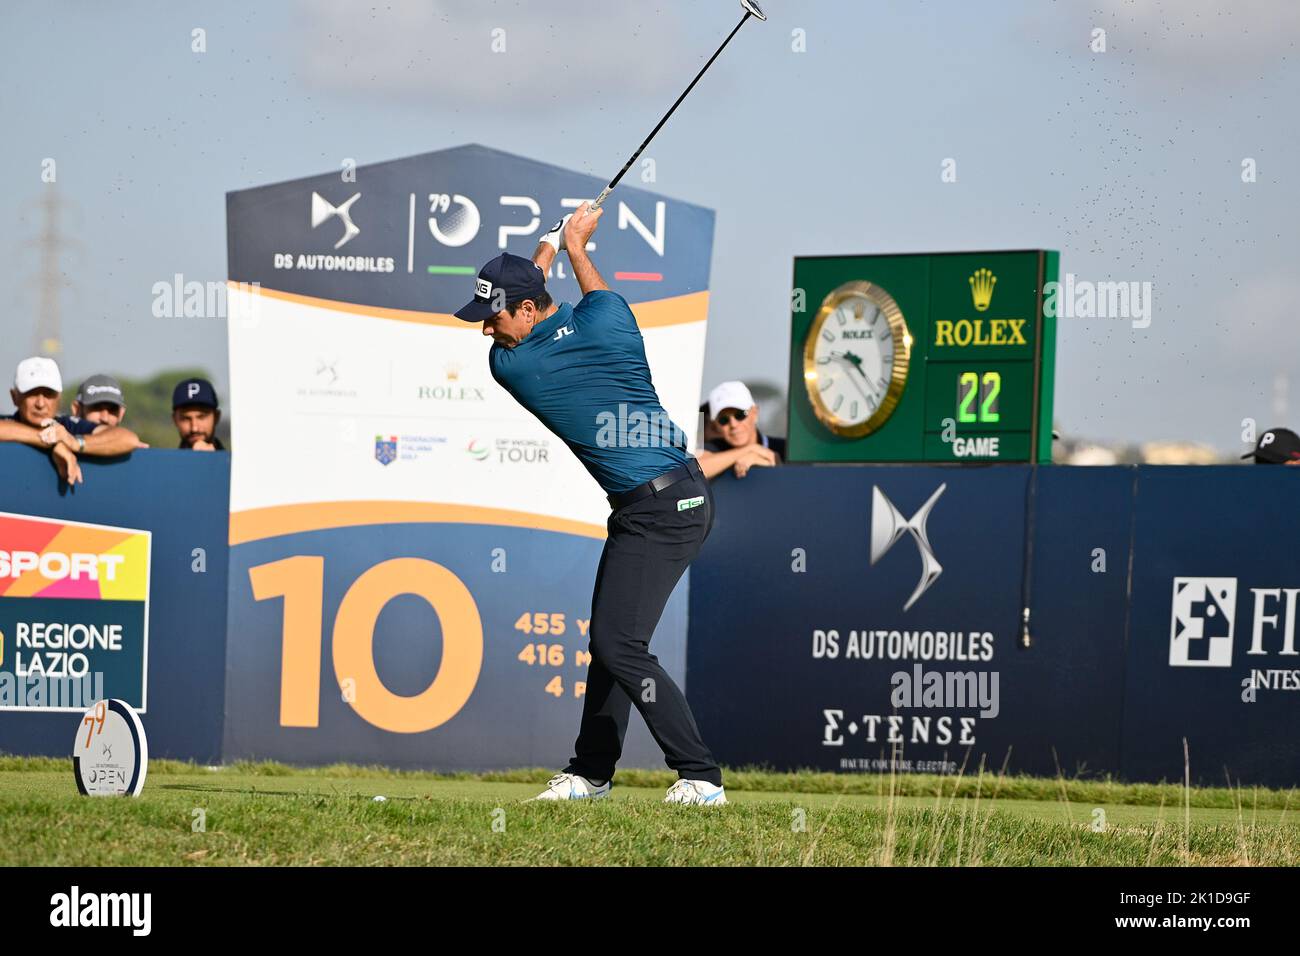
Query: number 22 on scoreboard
{"x": 987, "y": 387}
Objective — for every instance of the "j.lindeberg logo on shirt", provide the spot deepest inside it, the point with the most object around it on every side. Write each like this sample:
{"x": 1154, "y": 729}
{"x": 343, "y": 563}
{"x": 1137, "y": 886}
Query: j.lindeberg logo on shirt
{"x": 561, "y": 334}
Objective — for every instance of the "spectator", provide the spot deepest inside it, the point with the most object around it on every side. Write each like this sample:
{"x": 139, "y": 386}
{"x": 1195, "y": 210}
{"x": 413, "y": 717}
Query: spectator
{"x": 1277, "y": 446}
{"x": 36, "y": 421}
{"x": 102, "y": 401}
{"x": 711, "y": 430}
{"x": 196, "y": 413}
{"x": 741, "y": 446}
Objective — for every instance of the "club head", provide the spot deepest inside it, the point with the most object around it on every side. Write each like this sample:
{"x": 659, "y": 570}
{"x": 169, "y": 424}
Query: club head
{"x": 752, "y": 7}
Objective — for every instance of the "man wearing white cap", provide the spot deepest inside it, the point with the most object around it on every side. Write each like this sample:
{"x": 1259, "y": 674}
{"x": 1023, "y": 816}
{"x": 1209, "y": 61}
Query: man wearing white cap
{"x": 37, "y": 422}
{"x": 734, "y": 413}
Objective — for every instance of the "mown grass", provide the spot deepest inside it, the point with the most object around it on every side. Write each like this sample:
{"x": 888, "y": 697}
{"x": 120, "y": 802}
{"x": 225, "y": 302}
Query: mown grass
{"x": 272, "y": 814}
{"x": 1098, "y": 792}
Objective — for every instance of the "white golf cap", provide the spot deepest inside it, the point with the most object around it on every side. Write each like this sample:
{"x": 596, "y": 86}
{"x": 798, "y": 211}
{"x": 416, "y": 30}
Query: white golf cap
{"x": 37, "y": 372}
{"x": 729, "y": 395}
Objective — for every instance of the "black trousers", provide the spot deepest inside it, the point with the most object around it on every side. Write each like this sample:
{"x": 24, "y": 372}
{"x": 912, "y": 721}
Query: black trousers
{"x": 650, "y": 543}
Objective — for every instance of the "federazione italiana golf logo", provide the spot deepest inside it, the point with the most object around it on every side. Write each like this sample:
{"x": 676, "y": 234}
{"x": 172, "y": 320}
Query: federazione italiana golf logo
{"x": 74, "y": 611}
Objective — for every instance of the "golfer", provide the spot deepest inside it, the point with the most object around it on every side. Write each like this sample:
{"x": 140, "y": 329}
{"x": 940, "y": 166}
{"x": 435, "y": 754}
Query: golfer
{"x": 581, "y": 370}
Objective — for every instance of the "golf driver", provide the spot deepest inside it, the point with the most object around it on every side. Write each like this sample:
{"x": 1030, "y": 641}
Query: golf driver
{"x": 751, "y": 10}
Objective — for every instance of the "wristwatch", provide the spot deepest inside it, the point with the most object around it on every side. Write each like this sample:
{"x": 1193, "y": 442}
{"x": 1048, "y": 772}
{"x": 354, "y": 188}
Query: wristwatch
{"x": 81, "y": 443}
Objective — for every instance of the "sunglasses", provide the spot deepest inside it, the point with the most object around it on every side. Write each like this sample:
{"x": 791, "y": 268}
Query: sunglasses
{"x": 725, "y": 419}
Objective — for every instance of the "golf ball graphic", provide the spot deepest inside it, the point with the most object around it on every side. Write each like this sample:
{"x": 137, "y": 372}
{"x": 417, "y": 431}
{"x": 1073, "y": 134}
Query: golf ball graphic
{"x": 460, "y": 223}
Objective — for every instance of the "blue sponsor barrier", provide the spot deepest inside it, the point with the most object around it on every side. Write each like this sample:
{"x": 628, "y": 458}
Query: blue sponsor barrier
{"x": 180, "y": 498}
{"x": 1161, "y": 606}
{"x": 841, "y": 618}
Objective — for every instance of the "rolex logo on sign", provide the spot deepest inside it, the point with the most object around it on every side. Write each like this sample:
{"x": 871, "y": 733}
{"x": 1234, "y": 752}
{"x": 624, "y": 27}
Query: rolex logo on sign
{"x": 981, "y": 288}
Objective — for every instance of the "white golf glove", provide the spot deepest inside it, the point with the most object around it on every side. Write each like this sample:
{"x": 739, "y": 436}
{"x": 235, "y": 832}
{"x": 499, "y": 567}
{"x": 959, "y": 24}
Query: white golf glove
{"x": 555, "y": 237}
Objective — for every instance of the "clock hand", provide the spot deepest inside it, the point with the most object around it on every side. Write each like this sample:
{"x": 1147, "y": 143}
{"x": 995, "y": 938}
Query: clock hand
{"x": 872, "y": 396}
{"x": 849, "y": 357}
{"x": 856, "y": 362}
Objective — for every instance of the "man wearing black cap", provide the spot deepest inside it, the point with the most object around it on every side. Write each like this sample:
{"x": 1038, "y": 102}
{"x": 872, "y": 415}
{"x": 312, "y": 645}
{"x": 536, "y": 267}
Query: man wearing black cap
{"x": 101, "y": 400}
{"x": 1277, "y": 446}
{"x": 195, "y": 413}
{"x": 581, "y": 369}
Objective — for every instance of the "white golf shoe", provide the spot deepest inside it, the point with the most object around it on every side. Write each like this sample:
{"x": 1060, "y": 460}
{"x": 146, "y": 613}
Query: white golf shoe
{"x": 696, "y": 793}
{"x": 571, "y": 786}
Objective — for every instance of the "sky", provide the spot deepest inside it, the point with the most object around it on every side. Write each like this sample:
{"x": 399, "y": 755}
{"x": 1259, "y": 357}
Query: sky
{"x": 825, "y": 130}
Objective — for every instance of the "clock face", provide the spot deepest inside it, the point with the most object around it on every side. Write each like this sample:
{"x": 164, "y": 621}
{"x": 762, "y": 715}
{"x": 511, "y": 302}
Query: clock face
{"x": 855, "y": 359}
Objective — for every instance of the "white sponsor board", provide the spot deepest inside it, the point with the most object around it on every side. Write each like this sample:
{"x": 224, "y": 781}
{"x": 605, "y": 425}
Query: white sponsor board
{"x": 332, "y": 404}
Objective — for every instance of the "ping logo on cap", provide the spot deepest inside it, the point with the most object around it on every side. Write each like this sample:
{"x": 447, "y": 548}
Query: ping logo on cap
{"x": 482, "y": 288}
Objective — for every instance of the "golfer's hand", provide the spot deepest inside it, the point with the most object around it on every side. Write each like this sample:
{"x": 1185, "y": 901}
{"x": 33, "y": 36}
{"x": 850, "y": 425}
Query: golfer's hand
{"x": 66, "y": 464}
{"x": 581, "y": 224}
{"x": 554, "y": 237}
{"x": 202, "y": 445}
{"x": 755, "y": 456}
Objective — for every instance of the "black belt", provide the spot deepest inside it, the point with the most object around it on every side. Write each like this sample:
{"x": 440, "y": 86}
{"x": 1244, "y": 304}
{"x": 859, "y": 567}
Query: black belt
{"x": 655, "y": 485}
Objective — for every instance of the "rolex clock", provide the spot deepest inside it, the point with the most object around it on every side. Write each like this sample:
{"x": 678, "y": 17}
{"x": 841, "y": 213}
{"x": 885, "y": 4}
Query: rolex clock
{"x": 943, "y": 357}
{"x": 855, "y": 359}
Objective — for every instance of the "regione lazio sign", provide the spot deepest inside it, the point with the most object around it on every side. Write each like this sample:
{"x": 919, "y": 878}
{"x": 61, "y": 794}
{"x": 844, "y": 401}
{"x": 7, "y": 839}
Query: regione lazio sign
{"x": 74, "y": 613}
{"x": 413, "y": 553}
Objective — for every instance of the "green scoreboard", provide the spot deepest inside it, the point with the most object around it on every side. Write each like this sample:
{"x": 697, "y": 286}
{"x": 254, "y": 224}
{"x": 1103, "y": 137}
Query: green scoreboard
{"x": 922, "y": 358}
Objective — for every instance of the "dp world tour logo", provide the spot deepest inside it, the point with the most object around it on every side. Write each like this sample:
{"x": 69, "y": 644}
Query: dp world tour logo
{"x": 1200, "y": 632}
{"x": 888, "y": 525}
{"x": 385, "y": 449}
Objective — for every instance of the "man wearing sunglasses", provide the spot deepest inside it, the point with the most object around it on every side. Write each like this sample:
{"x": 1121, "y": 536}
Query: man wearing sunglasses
{"x": 733, "y": 412}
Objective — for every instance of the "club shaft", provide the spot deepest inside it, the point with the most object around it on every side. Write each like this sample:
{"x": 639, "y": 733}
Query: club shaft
{"x": 628, "y": 165}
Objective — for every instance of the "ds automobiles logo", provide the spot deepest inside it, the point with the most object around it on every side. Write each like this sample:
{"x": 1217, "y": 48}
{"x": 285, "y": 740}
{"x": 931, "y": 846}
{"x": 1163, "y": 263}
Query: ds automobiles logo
{"x": 322, "y": 210}
{"x": 888, "y": 525}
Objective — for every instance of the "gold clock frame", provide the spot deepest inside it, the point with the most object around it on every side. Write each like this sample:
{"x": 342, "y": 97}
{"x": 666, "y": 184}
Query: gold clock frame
{"x": 902, "y": 358}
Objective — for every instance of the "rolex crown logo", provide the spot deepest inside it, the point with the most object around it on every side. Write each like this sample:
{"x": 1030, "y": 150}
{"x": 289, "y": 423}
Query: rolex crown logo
{"x": 981, "y": 288}
{"x": 453, "y": 371}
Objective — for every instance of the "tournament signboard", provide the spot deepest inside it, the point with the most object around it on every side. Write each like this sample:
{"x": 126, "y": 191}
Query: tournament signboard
{"x": 110, "y": 755}
{"x": 74, "y": 614}
{"x": 922, "y": 358}
{"x": 413, "y": 554}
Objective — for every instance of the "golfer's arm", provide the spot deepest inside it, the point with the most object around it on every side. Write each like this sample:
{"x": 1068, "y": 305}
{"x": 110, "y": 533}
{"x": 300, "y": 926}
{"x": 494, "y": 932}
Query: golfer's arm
{"x": 110, "y": 440}
{"x": 19, "y": 432}
{"x": 544, "y": 256}
{"x": 584, "y": 270}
